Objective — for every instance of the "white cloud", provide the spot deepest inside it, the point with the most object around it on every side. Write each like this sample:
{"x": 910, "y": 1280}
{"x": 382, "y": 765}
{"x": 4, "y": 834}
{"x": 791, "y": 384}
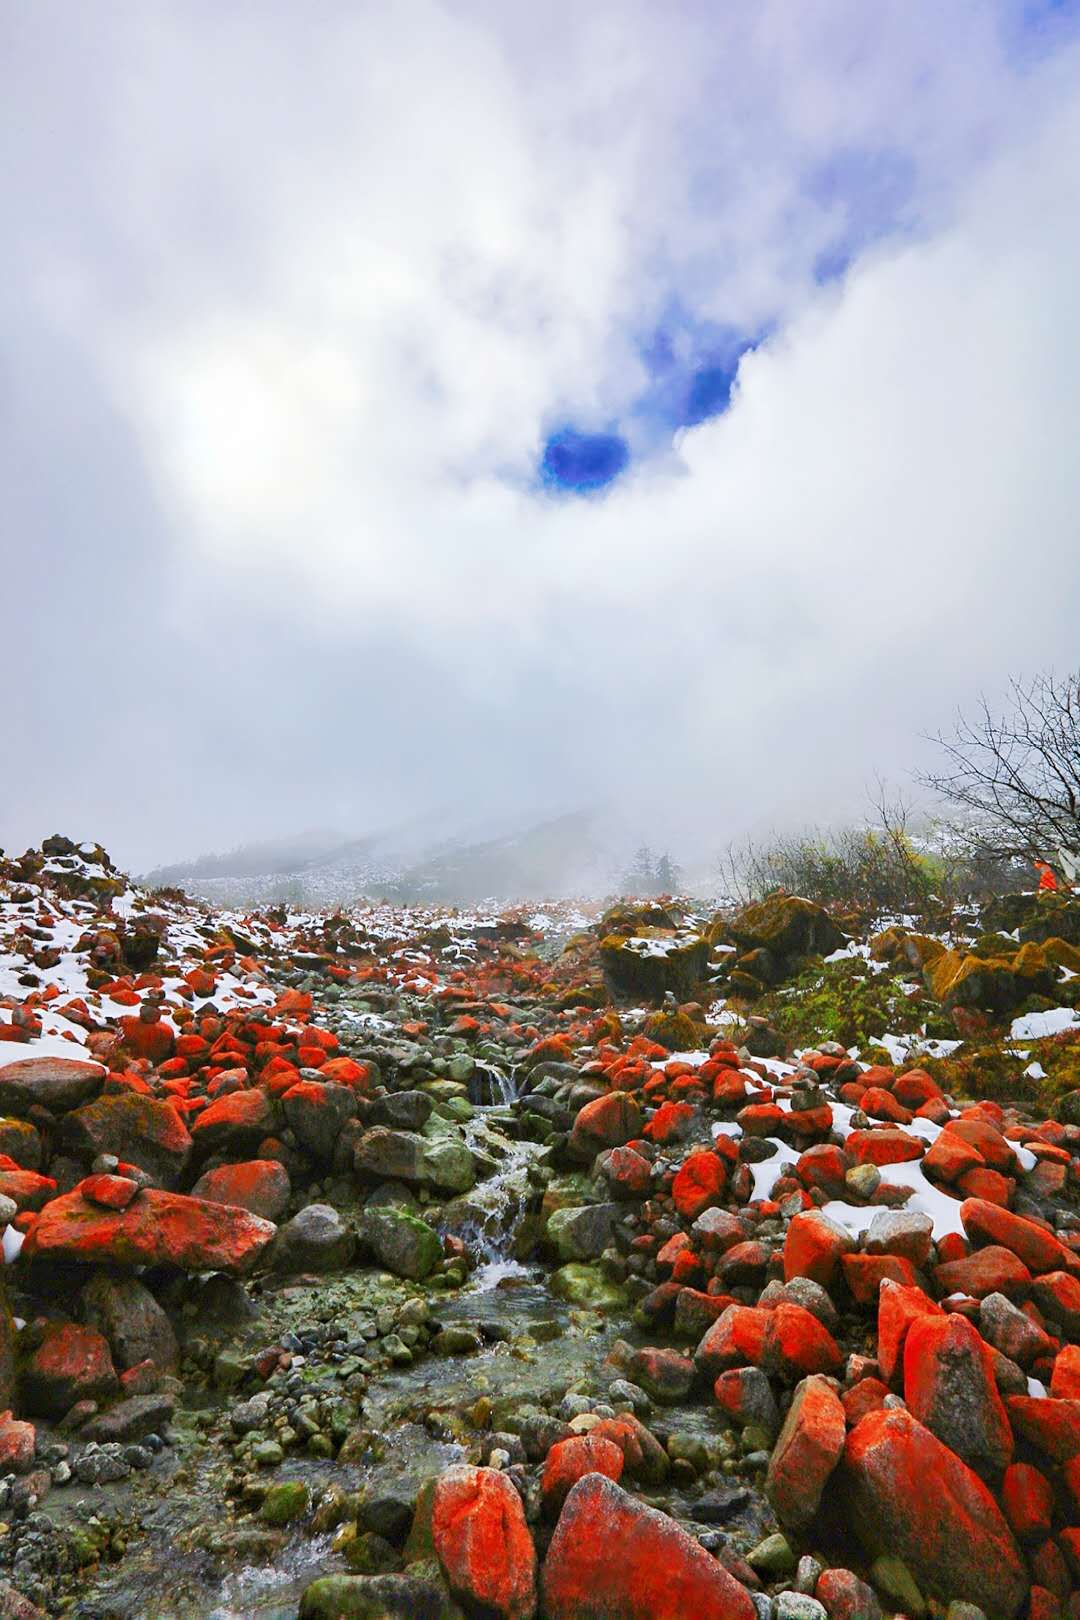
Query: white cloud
{"x": 338, "y": 283}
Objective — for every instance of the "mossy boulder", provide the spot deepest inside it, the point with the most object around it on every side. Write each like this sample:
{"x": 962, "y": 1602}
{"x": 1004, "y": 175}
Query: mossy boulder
{"x": 786, "y": 926}
{"x": 1038, "y": 917}
{"x": 402, "y": 1242}
{"x": 586, "y": 1287}
{"x": 990, "y": 984}
{"x": 649, "y": 964}
{"x": 377, "y": 1597}
{"x": 677, "y": 1032}
{"x": 285, "y": 1502}
{"x": 900, "y": 948}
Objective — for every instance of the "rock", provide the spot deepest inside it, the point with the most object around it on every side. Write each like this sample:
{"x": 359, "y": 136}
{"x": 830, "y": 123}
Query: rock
{"x": 17, "y": 1442}
{"x": 570, "y": 1460}
{"x": 317, "y": 1113}
{"x": 131, "y": 1319}
{"x": 608, "y": 1121}
{"x": 987, "y": 1223}
{"x": 846, "y": 1597}
{"x": 786, "y": 926}
{"x": 809, "y": 1447}
{"x": 448, "y": 1166}
{"x": 139, "y": 1130}
{"x": 653, "y": 962}
{"x": 699, "y": 1183}
{"x": 664, "y": 1375}
{"x": 745, "y": 1395}
{"x": 1009, "y": 1330}
{"x": 586, "y": 1286}
{"x": 285, "y": 1502}
{"x": 260, "y": 1186}
{"x": 316, "y": 1239}
{"x": 814, "y": 1247}
{"x": 949, "y": 1386}
{"x": 905, "y": 1235}
{"x": 385, "y": 1155}
{"x": 14, "y": 1606}
{"x": 157, "y": 1228}
{"x": 582, "y": 1233}
{"x": 130, "y": 1420}
{"x": 613, "y": 1558}
{"x": 953, "y": 1537}
{"x": 53, "y": 1083}
{"x": 20, "y": 1141}
{"x": 375, "y": 1597}
{"x": 71, "y": 1363}
{"x": 483, "y": 1543}
{"x": 402, "y": 1242}
{"x": 626, "y": 1174}
{"x": 234, "y": 1124}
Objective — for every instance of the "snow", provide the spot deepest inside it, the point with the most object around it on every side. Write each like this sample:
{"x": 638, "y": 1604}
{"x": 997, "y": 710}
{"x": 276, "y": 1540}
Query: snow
{"x": 1034, "y": 1026}
{"x": 45, "y": 1046}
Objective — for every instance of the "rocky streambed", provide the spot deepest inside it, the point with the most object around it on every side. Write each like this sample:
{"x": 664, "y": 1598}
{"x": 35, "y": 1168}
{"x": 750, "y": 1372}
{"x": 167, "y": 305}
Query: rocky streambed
{"x": 417, "y": 1263}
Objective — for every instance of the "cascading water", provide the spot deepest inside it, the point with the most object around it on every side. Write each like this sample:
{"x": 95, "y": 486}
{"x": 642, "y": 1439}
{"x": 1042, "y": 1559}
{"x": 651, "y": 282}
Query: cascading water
{"x": 495, "y": 1208}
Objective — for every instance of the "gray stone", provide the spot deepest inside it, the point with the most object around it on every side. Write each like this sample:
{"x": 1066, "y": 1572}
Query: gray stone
{"x": 316, "y": 1239}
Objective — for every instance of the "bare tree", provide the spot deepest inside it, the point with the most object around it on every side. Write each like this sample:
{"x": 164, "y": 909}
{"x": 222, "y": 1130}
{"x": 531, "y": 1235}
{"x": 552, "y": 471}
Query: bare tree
{"x": 1014, "y": 772}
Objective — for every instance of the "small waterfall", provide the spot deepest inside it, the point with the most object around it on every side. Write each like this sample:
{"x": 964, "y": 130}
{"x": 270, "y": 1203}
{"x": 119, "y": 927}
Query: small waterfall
{"x": 493, "y": 1211}
{"x": 491, "y": 1088}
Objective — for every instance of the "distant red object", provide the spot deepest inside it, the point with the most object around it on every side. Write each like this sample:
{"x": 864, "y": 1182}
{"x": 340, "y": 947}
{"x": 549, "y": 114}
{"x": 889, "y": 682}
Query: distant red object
{"x": 1047, "y": 880}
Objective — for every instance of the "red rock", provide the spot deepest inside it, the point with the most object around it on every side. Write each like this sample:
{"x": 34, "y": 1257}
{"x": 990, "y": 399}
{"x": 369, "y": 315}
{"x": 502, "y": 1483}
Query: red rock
{"x": 846, "y": 1597}
{"x": 26, "y": 1188}
{"x": 887, "y": 1146}
{"x": 1049, "y": 1570}
{"x": 745, "y": 1395}
{"x": 908, "y": 1495}
{"x": 989, "y": 1185}
{"x": 915, "y": 1088}
{"x": 814, "y": 1247}
{"x": 984, "y": 1136}
{"x": 17, "y": 1442}
{"x": 880, "y": 1104}
{"x": 949, "y": 1386}
{"x": 609, "y": 1121}
{"x": 1057, "y": 1294}
{"x": 570, "y": 1460}
{"x": 699, "y": 1183}
{"x": 950, "y": 1157}
{"x": 987, "y": 1223}
{"x": 864, "y": 1274}
{"x": 796, "y": 1344}
{"x": 898, "y": 1308}
{"x": 736, "y": 1339}
{"x": 1051, "y": 1425}
{"x": 670, "y": 1123}
{"x": 72, "y": 1363}
{"x": 152, "y": 1040}
{"x": 644, "y": 1457}
{"x": 156, "y": 1228}
{"x": 1028, "y": 1499}
{"x": 258, "y": 1185}
{"x": 626, "y": 1173}
{"x": 109, "y": 1192}
{"x": 613, "y": 1558}
{"x": 994, "y": 1270}
{"x": 1065, "y": 1381}
{"x": 695, "y": 1311}
{"x": 235, "y": 1123}
{"x": 809, "y": 1447}
{"x": 761, "y": 1119}
{"x": 483, "y": 1543}
{"x": 868, "y": 1395}
{"x": 146, "y": 1131}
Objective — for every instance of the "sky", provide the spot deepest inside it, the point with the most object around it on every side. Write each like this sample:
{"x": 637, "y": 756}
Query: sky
{"x": 521, "y": 408}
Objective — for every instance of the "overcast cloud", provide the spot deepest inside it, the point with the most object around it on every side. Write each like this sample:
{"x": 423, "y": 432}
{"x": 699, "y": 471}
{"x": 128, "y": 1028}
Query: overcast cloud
{"x": 296, "y": 297}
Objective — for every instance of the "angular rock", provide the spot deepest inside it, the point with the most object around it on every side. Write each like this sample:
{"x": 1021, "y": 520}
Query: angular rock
{"x": 613, "y": 1558}
{"x": 809, "y": 1447}
{"x": 908, "y": 1495}
{"x": 317, "y": 1113}
{"x": 402, "y": 1242}
{"x": 140, "y": 1130}
{"x": 483, "y": 1543}
{"x": 126, "y": 1312}
{"x": 157, "y": 1228}
{"x": 949, "y": 1386}
{"x": 234, "y": 1124}
{"x": 570, "y": 1460}
{"x": 71, "y": 1363}
{"x": 316, "y": 1239}
{"x": 260, "y": 1186}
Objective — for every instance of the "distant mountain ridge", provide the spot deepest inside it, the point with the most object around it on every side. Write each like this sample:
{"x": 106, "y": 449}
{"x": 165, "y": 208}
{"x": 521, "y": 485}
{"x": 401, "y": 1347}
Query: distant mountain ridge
{"x": 562, "y": 855}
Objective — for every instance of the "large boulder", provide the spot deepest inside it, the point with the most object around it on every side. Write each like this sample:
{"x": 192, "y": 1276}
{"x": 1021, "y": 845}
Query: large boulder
{"x": 608, "y": 1121}
{"x": 810, "y": 1445}
{"x": 317, "y": 1113}
{"x": 53, "y": 1083}
{"x": 483, "y": 1543}
{"x": 155, "y": 1229}
{"x": 613, "y": 1558}
{"x": 787, "y": 927}
{"x": 911, "y": 1497}
{"x": 402, "y": 1242}
{"x": 376, "y": 1597}
{"x": 121, "y": 1308}
{"x": 138, "y": 1129}
{"x": 653, "y": 962}
{"x": 583, "y": 1232}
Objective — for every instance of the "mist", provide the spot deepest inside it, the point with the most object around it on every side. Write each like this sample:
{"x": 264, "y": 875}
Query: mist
{"x": 666, "y": 412}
